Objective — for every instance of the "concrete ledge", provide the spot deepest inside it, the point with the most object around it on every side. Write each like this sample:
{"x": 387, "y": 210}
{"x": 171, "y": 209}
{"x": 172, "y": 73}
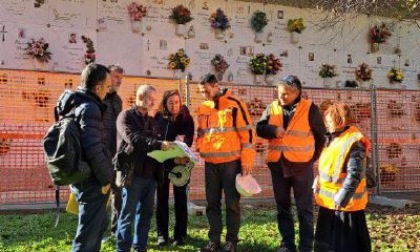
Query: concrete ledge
{"x": 384, "y": 201}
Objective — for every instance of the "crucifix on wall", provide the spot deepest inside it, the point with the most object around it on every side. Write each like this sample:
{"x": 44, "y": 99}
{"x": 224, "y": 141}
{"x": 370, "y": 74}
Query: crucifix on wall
{"x": 3, "y": 31}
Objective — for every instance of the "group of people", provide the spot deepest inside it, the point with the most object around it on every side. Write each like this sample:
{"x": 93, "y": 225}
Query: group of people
{"x": 116, "y": 142}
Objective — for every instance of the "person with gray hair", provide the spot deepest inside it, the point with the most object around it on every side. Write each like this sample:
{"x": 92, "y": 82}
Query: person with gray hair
{"x": 92, "y": 193}
{"x": 138, "y": 133}
{"x": 113, "y": 104}
{"x": 295, "y": 132}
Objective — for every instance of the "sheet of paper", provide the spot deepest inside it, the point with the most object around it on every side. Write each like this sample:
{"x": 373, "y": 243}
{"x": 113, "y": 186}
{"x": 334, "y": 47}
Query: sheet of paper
{"x": 180, "y": 149}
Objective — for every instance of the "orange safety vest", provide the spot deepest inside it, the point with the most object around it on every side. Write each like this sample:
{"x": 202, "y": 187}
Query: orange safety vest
{"x": 225, "y": 133}
{"x": 298, "y": 143}
{"x": 331, "y": 175}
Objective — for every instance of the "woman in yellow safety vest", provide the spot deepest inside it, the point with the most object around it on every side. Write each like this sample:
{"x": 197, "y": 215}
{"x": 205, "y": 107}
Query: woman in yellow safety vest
{"x": 340, "y": 186}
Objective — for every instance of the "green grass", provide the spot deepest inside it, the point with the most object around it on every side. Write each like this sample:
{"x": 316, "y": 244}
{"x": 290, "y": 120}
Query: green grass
{"x": 390, "y": 229}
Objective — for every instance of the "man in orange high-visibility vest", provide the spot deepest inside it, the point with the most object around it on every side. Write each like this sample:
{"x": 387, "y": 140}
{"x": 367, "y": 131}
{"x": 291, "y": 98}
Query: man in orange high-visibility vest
{"x": 295, "y": 130}
{"x": 225, "y": 139}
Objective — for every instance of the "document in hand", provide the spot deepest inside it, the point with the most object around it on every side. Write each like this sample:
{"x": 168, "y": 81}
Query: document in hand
{"x": 180, "y": 149}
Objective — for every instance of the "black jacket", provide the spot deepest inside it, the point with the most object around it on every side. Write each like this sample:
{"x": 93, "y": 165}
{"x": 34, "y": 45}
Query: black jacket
{"x": 182, "y": 125}
{"x": 113, "y": 104}
{"x": 318, "y": 129}
{"x": 89, "y": 114}
{"x": 137, "y": 135}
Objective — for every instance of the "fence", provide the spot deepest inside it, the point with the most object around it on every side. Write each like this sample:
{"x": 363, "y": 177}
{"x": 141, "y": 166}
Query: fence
{"x": 390, "y": 117}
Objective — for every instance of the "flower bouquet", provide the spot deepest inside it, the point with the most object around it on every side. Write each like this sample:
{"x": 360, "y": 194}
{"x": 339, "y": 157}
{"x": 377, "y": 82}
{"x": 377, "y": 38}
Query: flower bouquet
{"x": 395, "y": 75}
{"x": 181, "y": 15}
{"x": 394, "y": 150}
{"x": 90, "y": 55}
{"x": 179, "y": 60}
{"x": 378, "y": 35}
{"x": 258, "y": 22}
{"x": 258, "y": 65}
{"x": 219, "y": 63}
{"x": 396, "y": 109}
{"x": 137, "y": 12}
{"x": 274, "y": 65}
{"x": 417, "y": 113}
{"x": 363, "y": 72}
{"x": 38, "y": 49}
{"x": 41, "y": 97}
{"x": 388, "y": 173}
{"x": 5, "y": 144}
{"x": 220, "y": 22}
{"x": 361, "y": 111}
{"x": 295, "y": 27}
{"x": 327, "y": 71}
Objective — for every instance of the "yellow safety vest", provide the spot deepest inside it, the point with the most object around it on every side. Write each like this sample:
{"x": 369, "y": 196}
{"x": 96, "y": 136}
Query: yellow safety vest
{"x": 331, "y": 175}
{"x": 298, "y": 143}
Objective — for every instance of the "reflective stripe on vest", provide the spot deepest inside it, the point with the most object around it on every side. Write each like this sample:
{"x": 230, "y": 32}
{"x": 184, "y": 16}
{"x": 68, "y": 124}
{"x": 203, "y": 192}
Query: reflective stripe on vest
{"x": 291, "y": 148}
{"x": 220, "y": 154}
{"x": 329, "y": 194}
{"x": 247, "y": 146}
{"x": 326, "y": 177}
{"x": 244, "y": 128}
{"x": 216, "y": 130}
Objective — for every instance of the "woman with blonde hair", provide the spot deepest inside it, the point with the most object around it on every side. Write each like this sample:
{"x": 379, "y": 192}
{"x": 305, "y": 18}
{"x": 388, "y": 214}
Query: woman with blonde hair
{"x": 340, "y": 186}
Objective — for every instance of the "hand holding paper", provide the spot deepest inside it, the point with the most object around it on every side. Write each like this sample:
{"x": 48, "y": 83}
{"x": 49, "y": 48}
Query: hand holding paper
{"x": 174, "y": 149}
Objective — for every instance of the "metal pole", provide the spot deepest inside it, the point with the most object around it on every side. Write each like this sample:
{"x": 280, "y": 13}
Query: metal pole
{"x": 374, "y": 135}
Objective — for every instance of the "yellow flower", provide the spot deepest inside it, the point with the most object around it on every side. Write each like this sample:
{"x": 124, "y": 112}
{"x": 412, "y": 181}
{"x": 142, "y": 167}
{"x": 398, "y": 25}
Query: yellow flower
{"x": 172, "y": 65}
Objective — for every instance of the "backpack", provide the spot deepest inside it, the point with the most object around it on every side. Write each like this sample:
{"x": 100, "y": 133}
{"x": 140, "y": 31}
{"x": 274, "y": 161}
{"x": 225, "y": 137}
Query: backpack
{"x": 61, "y": 144}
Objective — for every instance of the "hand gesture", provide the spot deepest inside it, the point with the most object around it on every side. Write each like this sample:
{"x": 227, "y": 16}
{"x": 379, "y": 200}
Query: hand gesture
{"x": 105, "y": 189}
{"x": 166, "y": 145}
{"x": 246, "y": 170}
{"x": 182, "y": 160}
{"x": 280, "y": 132}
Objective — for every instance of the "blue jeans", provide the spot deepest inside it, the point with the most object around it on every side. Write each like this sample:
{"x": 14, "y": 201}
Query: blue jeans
{"x": 92, "y": 216}
{"x": 301, "y": 182}
{"x": 138, "y": 205}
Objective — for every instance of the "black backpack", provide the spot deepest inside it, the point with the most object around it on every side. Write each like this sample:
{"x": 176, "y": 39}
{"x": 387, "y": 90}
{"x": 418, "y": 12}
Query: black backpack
{"x": 61, "y": 143}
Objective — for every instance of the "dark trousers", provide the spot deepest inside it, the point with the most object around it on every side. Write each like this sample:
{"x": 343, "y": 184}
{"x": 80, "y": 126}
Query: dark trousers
{"x": 116, "y": 202}
{"x": 162, "y": 209}
{"x": 92, "y": 216}
{"x": 301, "y": 182}
{"x": 221, "y": 177}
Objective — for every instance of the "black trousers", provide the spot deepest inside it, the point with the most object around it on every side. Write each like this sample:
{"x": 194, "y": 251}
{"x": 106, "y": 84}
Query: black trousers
{"x": 221, "y": 178}
{"x": 162, "y": 209}
{"x": 300, "y": 181}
